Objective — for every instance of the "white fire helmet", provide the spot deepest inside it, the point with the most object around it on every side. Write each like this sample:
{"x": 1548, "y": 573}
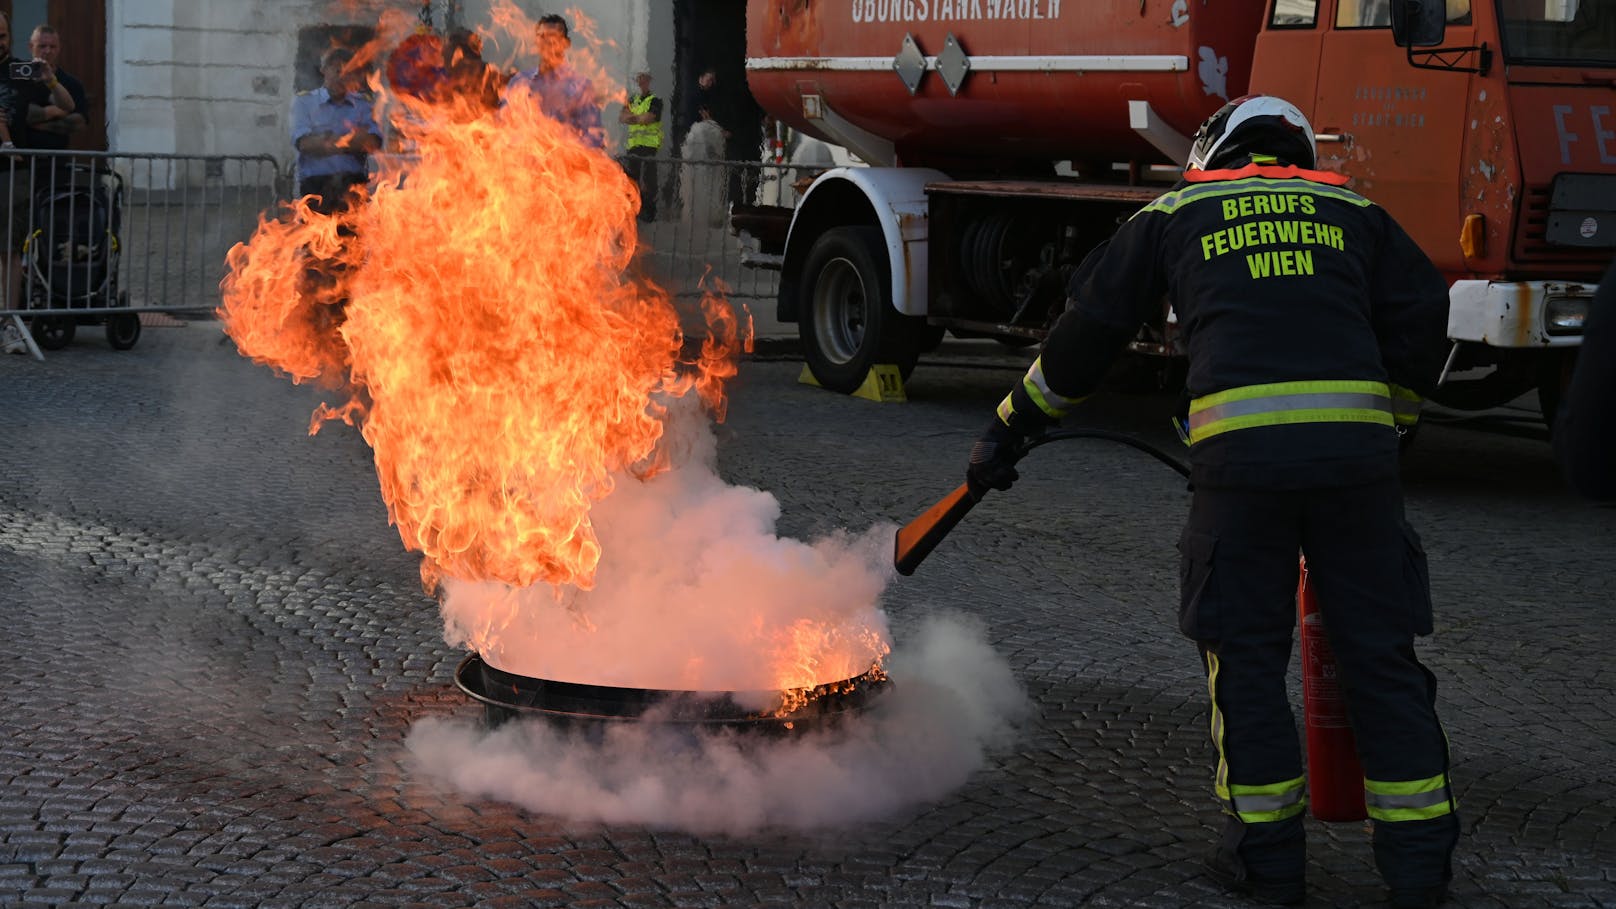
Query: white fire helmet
{"x": 1253, "y": 125}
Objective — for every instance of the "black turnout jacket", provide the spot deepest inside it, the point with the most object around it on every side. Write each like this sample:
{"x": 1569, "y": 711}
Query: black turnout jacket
{"x": 1276, "y": 275}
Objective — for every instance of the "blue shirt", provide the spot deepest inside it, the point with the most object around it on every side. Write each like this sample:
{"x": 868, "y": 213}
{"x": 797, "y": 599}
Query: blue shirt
{"x": 315, "y": 112}
{"x": 565, "y": 96}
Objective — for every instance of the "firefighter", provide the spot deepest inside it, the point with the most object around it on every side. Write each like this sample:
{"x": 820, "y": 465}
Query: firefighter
{"x": 1313, "y": 324}
{"x": 643, "y": 114}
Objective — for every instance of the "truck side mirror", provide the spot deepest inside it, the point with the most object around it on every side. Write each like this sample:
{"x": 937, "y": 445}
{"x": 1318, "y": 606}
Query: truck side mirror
{"x": 1418, "y": 23}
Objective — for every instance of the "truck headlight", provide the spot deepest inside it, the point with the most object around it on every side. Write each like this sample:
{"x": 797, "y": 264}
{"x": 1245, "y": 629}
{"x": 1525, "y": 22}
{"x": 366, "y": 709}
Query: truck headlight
{"x": 1565, "y": 315}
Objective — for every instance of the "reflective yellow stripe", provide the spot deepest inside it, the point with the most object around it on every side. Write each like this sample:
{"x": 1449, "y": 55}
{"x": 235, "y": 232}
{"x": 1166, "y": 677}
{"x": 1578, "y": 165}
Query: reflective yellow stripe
{"x": 1006, "y": 409}
{"x": 1038, "y": 389}
{"x": 1170, "y": 202}
{"x": 1315, "y": 386}
{"x": 1252, "y": 804}
{"x": 1405, "y": 405}
{"x": 1290, "y": 417}
{"x": 1284, "y": 403}
{"x": 1408, "y": 800}
{"x": 1269, "y": 802}
{"x": 1220, "y": 783}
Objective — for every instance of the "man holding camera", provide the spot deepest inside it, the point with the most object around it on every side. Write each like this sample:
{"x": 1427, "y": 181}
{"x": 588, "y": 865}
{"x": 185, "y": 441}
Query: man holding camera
{"x": 49, "y": 125}
{"x": 26, "y": 82}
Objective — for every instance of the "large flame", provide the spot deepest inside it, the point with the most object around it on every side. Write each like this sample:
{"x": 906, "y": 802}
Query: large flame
{"x": 502, "y": 360}
{"x": 480, "y": 312}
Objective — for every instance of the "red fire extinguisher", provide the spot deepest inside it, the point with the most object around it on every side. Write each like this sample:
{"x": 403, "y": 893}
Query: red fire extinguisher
{"x": 777, "y": 142}
{"x": 1334, "y": 776}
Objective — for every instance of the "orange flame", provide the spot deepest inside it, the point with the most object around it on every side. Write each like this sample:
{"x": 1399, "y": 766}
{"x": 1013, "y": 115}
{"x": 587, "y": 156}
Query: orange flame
{"x": 480, "y": 308}
{"x": 481, "y": 314}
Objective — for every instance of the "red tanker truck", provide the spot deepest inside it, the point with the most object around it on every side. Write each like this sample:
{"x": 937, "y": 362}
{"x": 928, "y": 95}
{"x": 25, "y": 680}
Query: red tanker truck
{"x": 1008, "y": 137}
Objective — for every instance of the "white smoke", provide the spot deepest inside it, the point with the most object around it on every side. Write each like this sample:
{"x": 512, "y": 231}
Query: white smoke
{"x": 952, "y": 700}
{"x": 695, "y": 591}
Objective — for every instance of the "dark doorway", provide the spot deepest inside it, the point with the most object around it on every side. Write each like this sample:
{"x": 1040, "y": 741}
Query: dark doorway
{"x": 83, "y": 27}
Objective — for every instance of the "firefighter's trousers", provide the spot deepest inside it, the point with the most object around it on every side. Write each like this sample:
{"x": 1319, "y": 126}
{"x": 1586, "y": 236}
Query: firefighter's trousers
{"x": 1239, "y": 575}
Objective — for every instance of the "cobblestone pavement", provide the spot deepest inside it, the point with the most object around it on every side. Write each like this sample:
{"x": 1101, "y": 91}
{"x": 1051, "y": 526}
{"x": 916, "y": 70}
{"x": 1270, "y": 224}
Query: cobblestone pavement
{"x": 215, "y": 645}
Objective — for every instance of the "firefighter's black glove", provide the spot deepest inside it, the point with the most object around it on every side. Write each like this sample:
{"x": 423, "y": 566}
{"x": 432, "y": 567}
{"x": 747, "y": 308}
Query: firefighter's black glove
{"x": 993, "y": 459}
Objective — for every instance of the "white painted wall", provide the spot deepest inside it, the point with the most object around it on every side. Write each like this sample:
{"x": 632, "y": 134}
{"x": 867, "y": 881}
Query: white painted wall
{"x": 197, "y": 77}
{"x": 215, "y": 77}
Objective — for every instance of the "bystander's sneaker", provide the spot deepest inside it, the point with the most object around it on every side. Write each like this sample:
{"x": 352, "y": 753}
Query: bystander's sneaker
{"x": 11, "y": 340}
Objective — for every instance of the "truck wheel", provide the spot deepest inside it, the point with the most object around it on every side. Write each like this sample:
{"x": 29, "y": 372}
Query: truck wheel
{"x": 847, "y": 324}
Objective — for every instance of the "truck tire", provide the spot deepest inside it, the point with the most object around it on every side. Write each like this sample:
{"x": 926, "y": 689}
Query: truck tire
{"x": 847, "y": 323}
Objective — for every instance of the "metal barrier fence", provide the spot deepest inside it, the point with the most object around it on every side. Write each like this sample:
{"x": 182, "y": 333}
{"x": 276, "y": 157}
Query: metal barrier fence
{"x": 690, "y": 241}
{"x": 101, "y": 232}
{"x": 121, "y": 232}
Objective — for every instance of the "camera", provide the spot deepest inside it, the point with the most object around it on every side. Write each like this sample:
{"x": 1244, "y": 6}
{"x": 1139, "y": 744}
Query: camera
{"x": 26, "y": 71}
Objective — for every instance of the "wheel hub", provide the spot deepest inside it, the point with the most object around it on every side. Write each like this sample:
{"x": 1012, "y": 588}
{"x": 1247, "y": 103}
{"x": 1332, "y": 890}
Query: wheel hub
{"x": 839, "y": 317}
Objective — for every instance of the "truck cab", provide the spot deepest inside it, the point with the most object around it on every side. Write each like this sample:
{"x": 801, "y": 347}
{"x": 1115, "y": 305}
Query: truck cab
{"x": 1495, "y": 149}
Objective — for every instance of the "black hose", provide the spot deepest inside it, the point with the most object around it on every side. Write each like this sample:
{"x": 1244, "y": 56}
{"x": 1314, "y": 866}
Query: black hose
{"x": 915, "y": 540}
{"x": 1130, "y": 441}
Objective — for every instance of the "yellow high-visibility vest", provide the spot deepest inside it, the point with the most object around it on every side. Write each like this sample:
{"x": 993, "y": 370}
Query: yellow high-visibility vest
{"x": 643, "y": 135}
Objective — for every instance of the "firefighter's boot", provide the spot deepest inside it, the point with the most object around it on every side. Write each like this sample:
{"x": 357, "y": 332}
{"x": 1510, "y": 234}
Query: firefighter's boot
{"x": 1266, "y": 862}
{"x": 1415, "y": 857}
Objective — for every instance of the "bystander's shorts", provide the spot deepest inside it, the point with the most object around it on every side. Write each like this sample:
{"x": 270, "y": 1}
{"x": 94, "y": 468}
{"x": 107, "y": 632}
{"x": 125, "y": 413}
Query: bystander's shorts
{"x": 18, "y": 187}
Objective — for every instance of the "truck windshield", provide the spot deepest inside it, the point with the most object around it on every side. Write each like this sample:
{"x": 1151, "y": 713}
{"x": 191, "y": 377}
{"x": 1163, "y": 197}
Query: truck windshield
{"x": 1559, "y": 32}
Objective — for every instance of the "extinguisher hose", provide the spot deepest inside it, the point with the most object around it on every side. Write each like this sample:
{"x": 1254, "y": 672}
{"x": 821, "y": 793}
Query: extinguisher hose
{"x": 915, "y": 540}
{"x": 1062, "y": 434}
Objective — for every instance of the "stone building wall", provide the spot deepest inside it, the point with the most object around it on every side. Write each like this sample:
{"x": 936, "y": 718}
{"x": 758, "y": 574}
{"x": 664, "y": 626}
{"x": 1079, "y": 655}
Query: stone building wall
{"x": 200, "y": 77}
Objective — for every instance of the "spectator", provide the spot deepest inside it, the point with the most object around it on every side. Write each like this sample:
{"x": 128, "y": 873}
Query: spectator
{"x": 643, "y": 114}
{"x": 334, "y": 133}
{"x": 705, "y": 189}
{"x": 415, "y": 79}
{"x": 562, "y": 93}
{"x": 739, "y": 120}
{"x": 708, "y": 103}
{"x": 50, "y": 126}
{"x": 15, "y": 98}
{"x": 468, "y": 75}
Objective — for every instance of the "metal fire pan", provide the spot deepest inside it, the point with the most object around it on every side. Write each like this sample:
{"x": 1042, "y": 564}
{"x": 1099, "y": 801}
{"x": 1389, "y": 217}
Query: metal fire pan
{"x": 506, "y": 695}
